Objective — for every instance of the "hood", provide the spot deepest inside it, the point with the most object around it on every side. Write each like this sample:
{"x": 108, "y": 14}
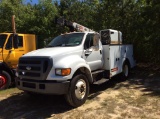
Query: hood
{"x": 52, "y": 51}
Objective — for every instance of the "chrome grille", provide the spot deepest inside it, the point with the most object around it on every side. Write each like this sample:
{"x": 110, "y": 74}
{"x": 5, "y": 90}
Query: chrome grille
{"x": 34, "y": 67}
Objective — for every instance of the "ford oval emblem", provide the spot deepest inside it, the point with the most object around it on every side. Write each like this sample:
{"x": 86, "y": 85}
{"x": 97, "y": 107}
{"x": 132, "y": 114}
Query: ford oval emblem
{"x": 23, "y": 73}
{"x": 28, "y": 68}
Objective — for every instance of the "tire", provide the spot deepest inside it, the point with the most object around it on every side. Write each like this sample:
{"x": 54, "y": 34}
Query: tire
{"x": 125, "y": 70}
{"x": 5, "y": 80}
{"x": 78, "y": 91}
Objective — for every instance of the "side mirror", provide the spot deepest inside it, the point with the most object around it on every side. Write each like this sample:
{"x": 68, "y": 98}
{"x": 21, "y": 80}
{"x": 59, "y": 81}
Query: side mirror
{"x": 88, "y": 52}
{"x": 105, "y": 37}
{"x": 15, "y": 41}
{"x": 96, "y": 39}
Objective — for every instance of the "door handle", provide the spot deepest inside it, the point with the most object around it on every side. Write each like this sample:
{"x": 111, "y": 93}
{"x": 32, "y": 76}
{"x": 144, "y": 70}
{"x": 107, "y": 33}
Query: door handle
{"x": 10, "y": 51}
{"x": 100, "y": 51}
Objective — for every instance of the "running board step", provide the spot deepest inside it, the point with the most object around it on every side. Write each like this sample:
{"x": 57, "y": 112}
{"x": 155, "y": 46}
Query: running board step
{"x": 98, "y": 71}
{"x": 103, "y": 80}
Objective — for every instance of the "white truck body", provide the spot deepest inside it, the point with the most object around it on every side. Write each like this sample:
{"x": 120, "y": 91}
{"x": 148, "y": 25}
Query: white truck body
{"x": 114, "y": 57}
{"x": 85, "y": 58}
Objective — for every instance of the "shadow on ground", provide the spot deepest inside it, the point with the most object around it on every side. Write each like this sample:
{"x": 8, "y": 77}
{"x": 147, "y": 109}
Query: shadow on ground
{"x": 143, "y": 77}
{"x": 21, "y": 105}
{"x": 146, "y": 78}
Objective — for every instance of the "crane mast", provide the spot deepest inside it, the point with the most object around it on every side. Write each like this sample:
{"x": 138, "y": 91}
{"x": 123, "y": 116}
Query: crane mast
{"x": 72, "y": 25}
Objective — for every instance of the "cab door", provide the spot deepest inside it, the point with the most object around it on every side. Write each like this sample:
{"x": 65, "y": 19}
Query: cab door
{"x": 3, "y": 38}
{"x": 11, "y": 55}
{"x": 93, "y": 52}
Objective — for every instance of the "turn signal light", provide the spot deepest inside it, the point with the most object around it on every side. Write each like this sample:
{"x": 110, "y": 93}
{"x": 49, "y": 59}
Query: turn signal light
{"x": 63, "y": 72}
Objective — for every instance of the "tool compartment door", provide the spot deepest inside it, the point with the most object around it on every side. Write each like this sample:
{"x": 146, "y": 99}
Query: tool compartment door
{"x": 115, "y": 60}
{"x": 127, "y": 53}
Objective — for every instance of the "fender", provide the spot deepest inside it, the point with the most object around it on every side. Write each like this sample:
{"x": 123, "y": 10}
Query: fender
{"x": 4, "y": 66}
{"x": 126, "y": 60}
{"x": 75, "y": 62}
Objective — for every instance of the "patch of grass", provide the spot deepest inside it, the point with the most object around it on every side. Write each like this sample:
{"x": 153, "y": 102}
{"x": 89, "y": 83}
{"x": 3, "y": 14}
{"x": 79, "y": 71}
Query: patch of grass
{"x": 141, "y": 100}
{"x": 126, "y": 95}
{"x": 124, "y": 114}
{"x": 9, "y": 91}
{"x": 109, "y": 104}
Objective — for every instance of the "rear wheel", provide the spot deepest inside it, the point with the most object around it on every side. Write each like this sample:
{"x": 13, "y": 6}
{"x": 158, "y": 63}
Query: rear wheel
{"x": 78, "y": 92}
{"x": 5, "y": 80}
{"x": 125, "y": 71}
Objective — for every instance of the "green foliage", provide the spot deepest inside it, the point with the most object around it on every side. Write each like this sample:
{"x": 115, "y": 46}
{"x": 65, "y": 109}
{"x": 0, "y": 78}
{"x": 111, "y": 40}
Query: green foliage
{"x": 139, "y": 20}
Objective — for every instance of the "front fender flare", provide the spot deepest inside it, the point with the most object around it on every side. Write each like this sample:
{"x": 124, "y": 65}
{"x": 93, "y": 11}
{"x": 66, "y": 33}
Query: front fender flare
{"x": 75, "y": 62}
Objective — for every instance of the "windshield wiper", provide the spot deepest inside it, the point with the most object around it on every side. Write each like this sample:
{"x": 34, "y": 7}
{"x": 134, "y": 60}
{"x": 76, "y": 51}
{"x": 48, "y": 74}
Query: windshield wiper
{"x": 49, "y": 46}
{"x": 56, "y": 45}
{"x": 69, "y": 45}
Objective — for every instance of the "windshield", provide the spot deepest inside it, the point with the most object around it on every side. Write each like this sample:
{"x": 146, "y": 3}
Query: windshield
{"x": 2, "y": 40}
{"x": 67, "y": 40}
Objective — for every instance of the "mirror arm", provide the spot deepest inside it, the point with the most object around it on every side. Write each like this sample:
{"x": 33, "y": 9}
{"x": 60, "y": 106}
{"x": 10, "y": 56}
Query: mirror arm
{"x": 15, "y": 41}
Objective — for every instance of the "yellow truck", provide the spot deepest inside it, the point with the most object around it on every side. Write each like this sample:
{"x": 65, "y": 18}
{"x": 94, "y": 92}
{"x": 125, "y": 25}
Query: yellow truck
{"x": 9, "y": 55}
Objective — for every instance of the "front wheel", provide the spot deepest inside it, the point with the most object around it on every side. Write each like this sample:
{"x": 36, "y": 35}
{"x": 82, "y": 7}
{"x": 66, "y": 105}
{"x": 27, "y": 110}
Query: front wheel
{"x": 5, "y": 80}
{"x": 78, "y": 91}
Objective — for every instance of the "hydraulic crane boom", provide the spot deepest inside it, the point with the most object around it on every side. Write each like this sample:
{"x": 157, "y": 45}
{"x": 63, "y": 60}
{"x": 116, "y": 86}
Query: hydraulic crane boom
{"x": 72, "y": 25}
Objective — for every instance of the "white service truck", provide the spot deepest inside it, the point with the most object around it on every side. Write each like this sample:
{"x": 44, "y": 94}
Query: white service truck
{"x": 73, "y": 61}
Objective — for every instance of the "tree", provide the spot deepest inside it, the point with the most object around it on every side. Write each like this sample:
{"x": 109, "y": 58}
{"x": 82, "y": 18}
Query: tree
{"x": 7, "y": 9}
{"x": 137, "y": 19}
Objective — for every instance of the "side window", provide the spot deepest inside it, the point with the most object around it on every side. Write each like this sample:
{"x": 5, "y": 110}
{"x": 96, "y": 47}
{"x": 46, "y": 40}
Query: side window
{"x": 20, "y": 41}
{"x": 9, "y": 43}
{"x": 89, "y": 41}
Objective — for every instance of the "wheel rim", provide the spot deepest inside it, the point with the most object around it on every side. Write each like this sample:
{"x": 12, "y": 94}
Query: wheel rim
{"x": 80, "y": 89}
{"x": 125, "y": 70}
{"x": 2, "y": 81}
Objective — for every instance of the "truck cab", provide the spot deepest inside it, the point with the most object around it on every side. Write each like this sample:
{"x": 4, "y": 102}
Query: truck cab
{"x": 9, "y": 55}
{"x": 73, "y": 61}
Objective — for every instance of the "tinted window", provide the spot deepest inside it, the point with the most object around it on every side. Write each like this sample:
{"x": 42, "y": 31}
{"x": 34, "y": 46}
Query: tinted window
{"x": 20, "y": 41}
{"x": 9, "y": 43}
{"x": 89, "y": 41}
{"x": 105, "y": 37}
{"x": 67, "y": 40}
{"x": 2, "y": 40}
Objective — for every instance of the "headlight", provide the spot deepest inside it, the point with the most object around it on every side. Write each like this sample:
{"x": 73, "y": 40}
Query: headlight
{"x": 63, "y": 72}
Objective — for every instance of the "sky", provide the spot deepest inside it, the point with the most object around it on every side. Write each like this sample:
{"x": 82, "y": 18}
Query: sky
{"x": 34, "y": 1}
{"x": 31, "y": 1}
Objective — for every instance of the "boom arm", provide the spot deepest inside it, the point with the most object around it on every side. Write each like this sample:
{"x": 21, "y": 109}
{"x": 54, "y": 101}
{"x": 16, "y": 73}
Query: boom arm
{"x": 72, "y": 25}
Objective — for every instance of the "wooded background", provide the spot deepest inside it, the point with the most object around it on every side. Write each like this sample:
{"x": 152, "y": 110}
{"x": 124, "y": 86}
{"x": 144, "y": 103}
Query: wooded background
{"x": 138, "y": 20}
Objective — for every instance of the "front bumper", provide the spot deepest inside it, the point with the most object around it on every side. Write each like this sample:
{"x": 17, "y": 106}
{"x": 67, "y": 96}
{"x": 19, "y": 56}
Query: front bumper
{"x": 45, "y": 87}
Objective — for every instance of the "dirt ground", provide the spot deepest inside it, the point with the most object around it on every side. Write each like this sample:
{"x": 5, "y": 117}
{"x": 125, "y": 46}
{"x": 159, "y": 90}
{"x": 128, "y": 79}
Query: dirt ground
{"x": 135, "y": 98}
